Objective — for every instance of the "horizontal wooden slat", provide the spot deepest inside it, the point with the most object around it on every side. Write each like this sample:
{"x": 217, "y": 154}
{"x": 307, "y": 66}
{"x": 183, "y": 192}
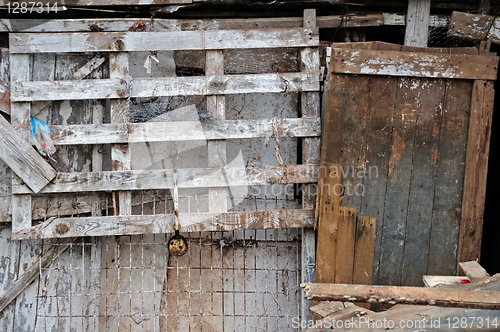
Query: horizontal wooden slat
{"x": 475, "y": 27}
{"x": 165, "y": 86}
{"x": 160, "y": 24}
{"x": 161, "y": 41}
{"x": 182, "y": 131}
{"x": 163, "y": 223}
{"x": 186, "y": 178}
{"x": 414, "y": 64}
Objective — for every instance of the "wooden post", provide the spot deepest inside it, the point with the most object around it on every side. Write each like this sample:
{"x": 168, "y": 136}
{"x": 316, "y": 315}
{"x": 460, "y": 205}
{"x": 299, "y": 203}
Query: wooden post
{"x": 476, "y": 170}
{"x": 417, "y": 23}
{"x": 310, "y": 107}
{"x": 216, "y": 108}
{"x": 20, "y": 119}
{"x": 484, "y": 7}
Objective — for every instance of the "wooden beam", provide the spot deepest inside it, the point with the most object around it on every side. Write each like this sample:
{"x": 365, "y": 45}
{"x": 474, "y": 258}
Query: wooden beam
{"x": 414, "y": 64}
{"x": 29, "y": 274}
{"x": 417, "y": 23}
{"x": 474, "y": 271}
{"x": 159, "y": 24}
{"x": 475, "y": 27}
{"x": 163, "y": 223}
{"x": 114, "y": 88}
{"x": 68, "y": 42}
{"x": 214, "y": 177}
{"x": 23, "y": 159}
{"x": 435, "y": 21}
{"x": 182, "y": 131}
{"x": 476, "y": 170}
{"x": 410, "y": 295}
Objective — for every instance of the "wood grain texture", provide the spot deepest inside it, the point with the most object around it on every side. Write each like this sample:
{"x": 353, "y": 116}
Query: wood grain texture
{"x": 162, "y": 41}
{"x": 364, "y": 250}
{"x": 163, "y": 223}
{"x": 417, "y": 23}
{"x": 474, "y": 26}
{"x": 182, "y": 131}
{"x": 411, "y": 295}
{"x": 414, "y": 64}
{"x": 115, "y": 88}
{"x": 423, "y": 181}
{"x": 476, "y": 170}
{"x": 159, "y": 24}
{"x": 346, "y": 240}
{"x": 4, "y": 81}
{"x": 23, "y": 159}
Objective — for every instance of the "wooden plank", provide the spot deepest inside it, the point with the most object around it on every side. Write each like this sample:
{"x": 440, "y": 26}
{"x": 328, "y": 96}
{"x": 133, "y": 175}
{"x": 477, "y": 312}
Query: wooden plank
{"x": 217, "y": 156}
{"x": 163, "y": 223}
{"x": 476, "y": 169}
{"x": 414, "y": 64}
{"x": 29, "y": 274}
{"x": 120, "y": 113}
{"x": 162, "y": 41}
{"x": 449, "y": 179}
{"x": 346, "y": 238}
{"x": 309, "y": 108}
{"x": 423, "y": 181}
{"x": 364, "y": 250}
{"x": 23, "y": 159}
{"x": 160, "y": 24}
{"x": 475, "y": 27}
{"x": 417, "y": 23}
{"x": 4, "y": 81}
{"x": 474, "y": 271}
{"x": 398, "y": 182}
{"x": 435, "y": 21}
{"x": 396, "y": 294}
{"x": 114, "y": 88}
{"x": 327, "y": 217}
{"x": 433, "y": 281}
{"x": 182, "y": 131}
{"x": 327, "y": 308}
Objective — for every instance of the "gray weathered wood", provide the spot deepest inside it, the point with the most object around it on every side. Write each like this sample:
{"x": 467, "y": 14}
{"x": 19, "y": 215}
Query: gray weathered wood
{"x": 182, "y": 131}
{"x": 162, "y": 41}
{"x": 417, "y": 23}
{"x": 114, "y": 88}
{"x": 474, "y": 271}
{"x": 414, "y": 64}
{"x": 159, "y": 24}
{"x": 215, "y": 177}
{"x": 163, "y": 223}
{"x": 4, "y": 81}
{"x": 23, "y": 159}
{"x": 27, "y": 277}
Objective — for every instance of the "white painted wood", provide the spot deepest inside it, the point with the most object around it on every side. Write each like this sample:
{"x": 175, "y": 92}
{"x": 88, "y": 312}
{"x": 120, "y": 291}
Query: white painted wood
{"x": 182, "y": 131}
{"x": 435, "y": 21}
{"x": 23, "y": 159}
{"x": 417, "y": 23}
{"x": 81, "y": 73}
{"x": 159, "y": 24}
{"x": 433, "y": 281}
{"x": 414, "y": 64}
{"x": 161, "y": 41}
{"x": 215, "y": 177}
{"x": 169, "y": 86}
{"x": 163, "y": 223}
{"x": 310, "y": 108}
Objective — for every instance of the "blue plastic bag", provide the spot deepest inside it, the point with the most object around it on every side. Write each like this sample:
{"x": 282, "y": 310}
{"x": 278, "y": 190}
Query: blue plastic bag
{"x": 40, "y": 137}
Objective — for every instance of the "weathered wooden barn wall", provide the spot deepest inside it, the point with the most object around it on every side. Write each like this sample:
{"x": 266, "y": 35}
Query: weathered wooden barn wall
{"x": 230, "y": 278}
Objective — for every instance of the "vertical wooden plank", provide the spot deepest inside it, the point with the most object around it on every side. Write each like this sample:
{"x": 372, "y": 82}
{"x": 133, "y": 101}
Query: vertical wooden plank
{"x": 421, "y": 200}
{"x": 120, "y": 153}
{"x": 21, "y": 120}
{"x": 449, "y": 179}
{"x": 476, "y": 169}
{"x": 216, "y": 108}
{"x": 310, "y": 107}
{"x": 9, "y": 260}
{"x": 363, "y": 250}
{"x": 417, "y": 23}
{"x": 344, "y": 261}
{"x": 398, "y": 182}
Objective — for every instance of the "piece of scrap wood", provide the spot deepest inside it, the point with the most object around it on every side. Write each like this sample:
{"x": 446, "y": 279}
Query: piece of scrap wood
{"x": 433, "y": 281}
{"x": 474, "y": 271}
{"x": 23, "y": 159}
{"x": 327, "y": 308}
